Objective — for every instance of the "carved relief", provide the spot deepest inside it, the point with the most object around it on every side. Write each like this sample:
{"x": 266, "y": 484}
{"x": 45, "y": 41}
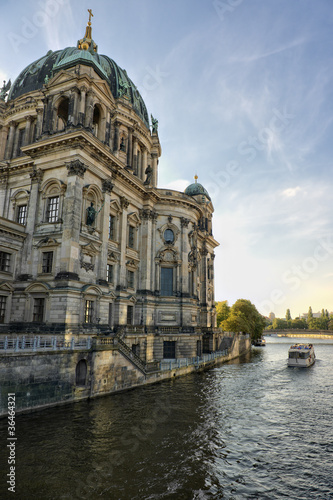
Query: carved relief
{"x": 76, "y": 167}
{"x": 36, "y": 175}
{"x": 107, "y": 186}
{"x": 124, "y": 202}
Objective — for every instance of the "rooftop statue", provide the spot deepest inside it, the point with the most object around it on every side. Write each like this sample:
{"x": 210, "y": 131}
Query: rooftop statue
{"x": 4, "y": 90}
{"x": 154, "y": 123}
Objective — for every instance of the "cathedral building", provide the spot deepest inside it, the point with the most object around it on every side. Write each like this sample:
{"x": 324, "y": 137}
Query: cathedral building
{"x": 88, "y": 242}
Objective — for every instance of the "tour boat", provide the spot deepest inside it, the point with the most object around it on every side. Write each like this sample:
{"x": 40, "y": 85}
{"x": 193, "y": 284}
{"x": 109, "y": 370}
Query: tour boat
{"x": 259, "y": 342}
{"x": 301, "y": 355}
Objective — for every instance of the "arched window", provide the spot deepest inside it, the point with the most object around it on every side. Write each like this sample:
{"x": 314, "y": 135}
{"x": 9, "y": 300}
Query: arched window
{"x": 81, "y": 372}
{"x": 62, "y": 116}
{"x": 169, "y": 236}
{"x": 96, "y": 120}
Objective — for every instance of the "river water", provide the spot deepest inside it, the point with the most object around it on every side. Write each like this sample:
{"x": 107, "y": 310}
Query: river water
{"x": 250, "y": 429}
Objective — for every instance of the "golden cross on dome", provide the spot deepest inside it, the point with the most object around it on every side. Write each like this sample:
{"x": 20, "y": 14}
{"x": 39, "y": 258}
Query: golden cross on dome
{"x": 90, "y": 14}
{"x": 196, "y": 178}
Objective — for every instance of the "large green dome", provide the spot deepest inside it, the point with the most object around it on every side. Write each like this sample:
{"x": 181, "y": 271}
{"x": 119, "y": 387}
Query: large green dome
{"x": 195, "y": 189}
{"x": 33, "y": 76}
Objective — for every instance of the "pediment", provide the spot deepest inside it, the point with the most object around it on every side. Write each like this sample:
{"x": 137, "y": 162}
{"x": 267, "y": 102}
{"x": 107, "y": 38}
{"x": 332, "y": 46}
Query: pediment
{"x": 133, "y": 217}
{"x": 115, "y": 205}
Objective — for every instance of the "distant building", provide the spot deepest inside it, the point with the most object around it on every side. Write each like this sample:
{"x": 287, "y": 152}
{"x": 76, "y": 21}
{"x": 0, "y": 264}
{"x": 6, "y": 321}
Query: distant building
{"x": 88, "y": 243}
{"x": 271, "y": 316}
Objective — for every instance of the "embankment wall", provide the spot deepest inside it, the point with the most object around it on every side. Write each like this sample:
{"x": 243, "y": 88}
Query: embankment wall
{"x": 48, "y": 378}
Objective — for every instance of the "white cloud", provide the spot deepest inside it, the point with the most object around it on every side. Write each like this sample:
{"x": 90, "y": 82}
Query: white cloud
{"x": 291, "y": 192}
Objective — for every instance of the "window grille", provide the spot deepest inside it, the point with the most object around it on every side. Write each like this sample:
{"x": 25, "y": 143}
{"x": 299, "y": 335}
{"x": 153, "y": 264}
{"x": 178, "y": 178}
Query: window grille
{"x": 3, "y": 301}
{"x": 38, "y": 311}
{"x": 5, "y": 261}
{"x": 47, "y": 262}
{"x": 52, "y": 211}
{"x": 88, "y": 313}
{"x": 22, "y": 214}
{"x": 109, "y": 273}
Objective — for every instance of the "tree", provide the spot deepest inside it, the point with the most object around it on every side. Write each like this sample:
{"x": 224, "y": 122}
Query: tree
{"x": 318, "y": 324}
{"x": 288, "y": 316}
{"x": 299, "y": 323}
{"x": 222, "y": 311}
{"x": 280, "y": 324}
{"x": 310, "y": 314}
{"x": 245, "y": 318}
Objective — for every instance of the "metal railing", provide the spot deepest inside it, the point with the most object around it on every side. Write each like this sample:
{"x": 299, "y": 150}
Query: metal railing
{"x": 39, "y": 343}
{"x": 197, "y": 360}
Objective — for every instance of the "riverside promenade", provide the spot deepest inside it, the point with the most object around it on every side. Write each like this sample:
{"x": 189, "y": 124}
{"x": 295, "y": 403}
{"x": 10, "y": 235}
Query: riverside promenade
{"x": 296, "y": 333}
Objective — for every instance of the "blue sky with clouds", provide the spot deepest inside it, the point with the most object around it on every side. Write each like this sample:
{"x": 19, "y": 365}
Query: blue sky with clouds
{"x": 243, "y": 91}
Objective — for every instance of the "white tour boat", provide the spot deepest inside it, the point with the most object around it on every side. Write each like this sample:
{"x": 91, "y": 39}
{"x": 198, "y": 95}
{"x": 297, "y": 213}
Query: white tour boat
{"x": 301, "y": 355}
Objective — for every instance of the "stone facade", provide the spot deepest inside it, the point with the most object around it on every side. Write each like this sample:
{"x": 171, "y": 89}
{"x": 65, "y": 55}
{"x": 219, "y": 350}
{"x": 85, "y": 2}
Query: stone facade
{"x": 88, "y": 242}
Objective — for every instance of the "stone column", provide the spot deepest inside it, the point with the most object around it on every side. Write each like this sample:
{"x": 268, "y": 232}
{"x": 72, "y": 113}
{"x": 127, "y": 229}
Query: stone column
{"x": 147, "y": 217}
{"x": 184, "y": 288}
{"x": 107, "y": 139}
{"x": 3, "y": 140}
{"x": 154, "y": 159}
{"x": 10, "y": 140}
{"x": 89, "y": 110}
{"x": 116, "y": 137}
{"x": 82, "y": 105}
{"x": 72, "y": 108}
{"x": 144, "y": 163}
{"x": 135, "y": 156}
{"x": 26, "y": 138}
{"x": 48, "y": 112}
{"x": 33, "y": 206}
{"x": 39, "y": 124}
{"x": 71, "y": 216}
{"x": 4, "y": 176}
{"x": 16, "y": 142}
{"x": 130, "y": 148}
{"x": 107, "y": 187}
{"x": 122, "y": 280}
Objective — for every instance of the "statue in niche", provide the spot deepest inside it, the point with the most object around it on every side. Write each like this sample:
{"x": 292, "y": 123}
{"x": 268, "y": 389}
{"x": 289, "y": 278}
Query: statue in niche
{"x": 122, "y": 146}
{"x": 91, "y": 214}
{"x": 154, "y": 123}
{"x": 149, "y": 174}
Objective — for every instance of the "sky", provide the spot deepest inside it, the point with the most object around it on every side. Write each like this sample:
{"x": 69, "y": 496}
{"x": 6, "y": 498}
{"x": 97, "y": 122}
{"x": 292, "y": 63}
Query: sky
{"x": 242, "y": 90}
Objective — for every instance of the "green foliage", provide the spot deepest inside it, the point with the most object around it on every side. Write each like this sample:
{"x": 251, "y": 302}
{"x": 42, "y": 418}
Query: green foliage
{"x": 318, "y": 323}
{"x": 288, "y": 316}
{"x": 245, "y": 318}
{"x": 280, "y": 324}
{"x": 222, "y": 311}
{"x": 299, "y": 323}
{"x": 310, "y": 314}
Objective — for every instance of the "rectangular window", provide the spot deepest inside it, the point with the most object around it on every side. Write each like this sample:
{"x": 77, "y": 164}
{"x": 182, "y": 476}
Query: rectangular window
{"x": 47, "y": 262}
{"x": 167, "y": 281}
{"x": 22, "y": 214}
{"x": 3, "y": 300}
{"x": 109, "y": 273}
{"x": 52, "y": 210}
{"x": 131, "y": 236}
{"x": 38, "y": 312}
{"x": 88, "y": 312}
{"x": 112, "y": 227}
{"x": 130, "y": 314}
{"x": 130, "y": 279}
{"x": 5, "y": 261}
{"x": 169, "y": 349}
